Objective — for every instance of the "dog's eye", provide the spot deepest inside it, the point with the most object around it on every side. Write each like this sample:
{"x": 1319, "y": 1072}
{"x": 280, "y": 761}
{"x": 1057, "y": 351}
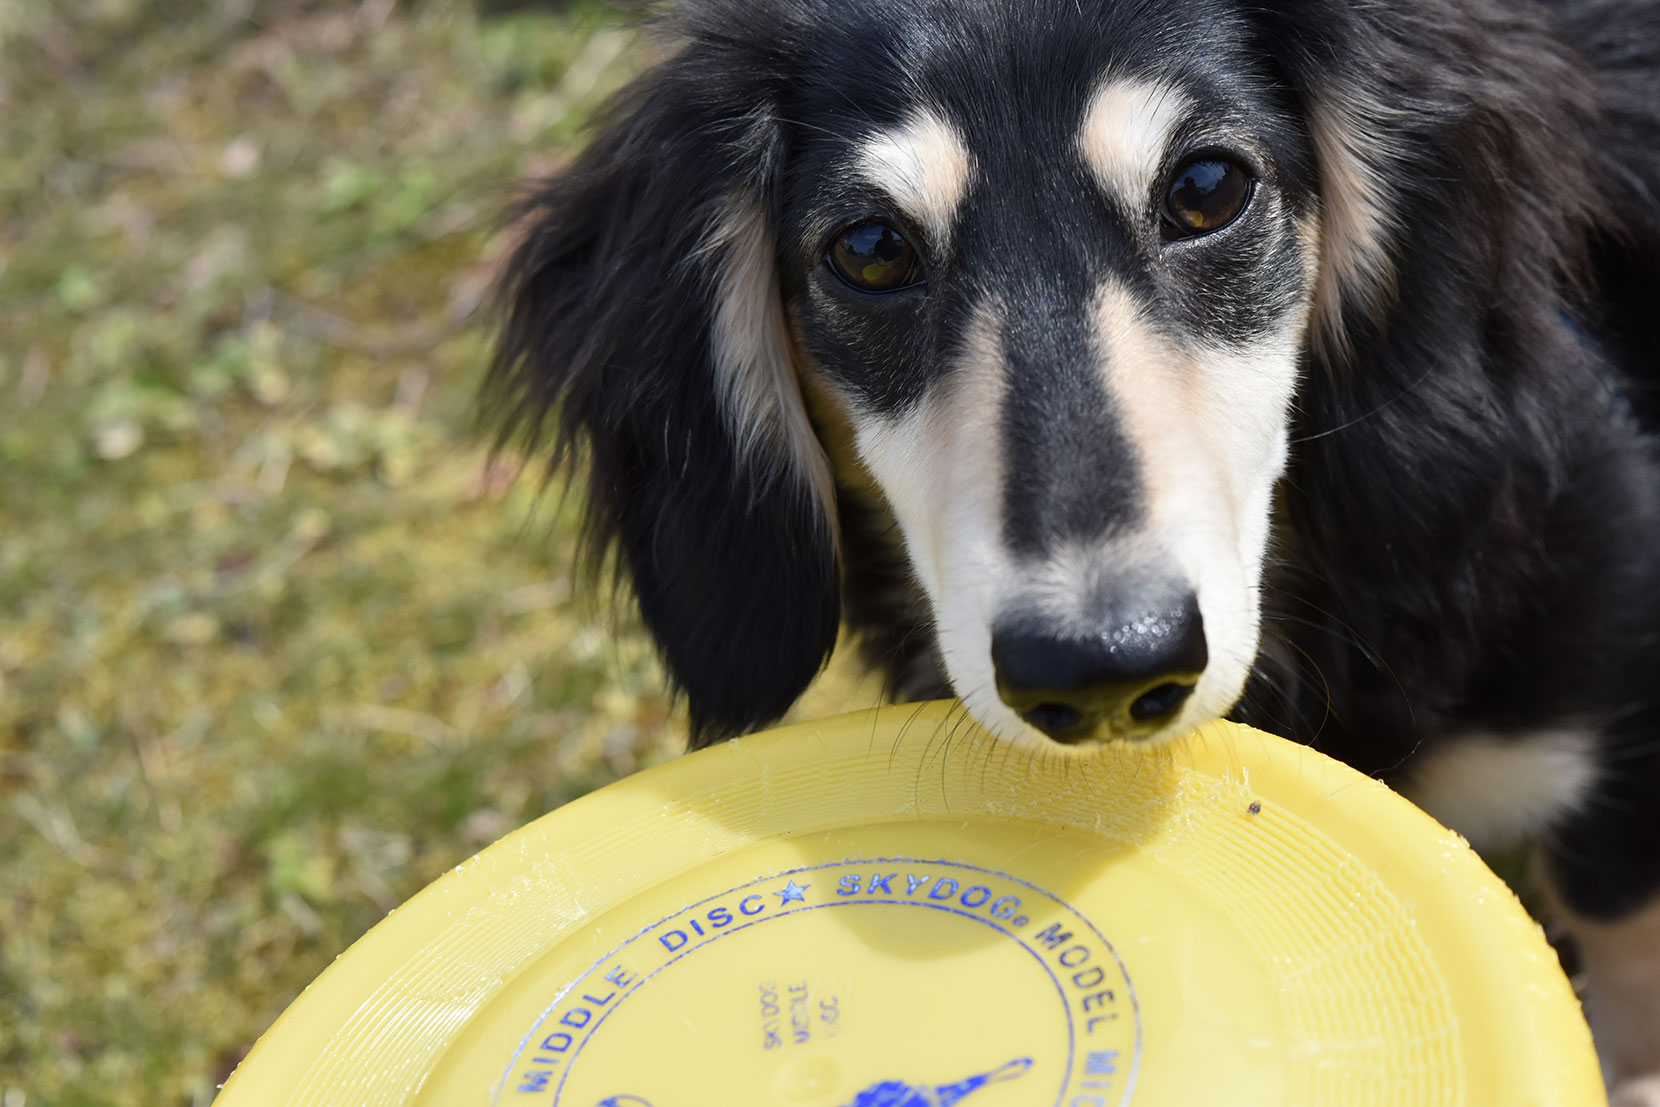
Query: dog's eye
{"x": 875, "y": 258}
{"x": 1205, "y": 195}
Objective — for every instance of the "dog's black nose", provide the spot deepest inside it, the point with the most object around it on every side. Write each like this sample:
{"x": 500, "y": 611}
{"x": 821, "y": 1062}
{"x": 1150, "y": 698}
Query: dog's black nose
{"x": 1125, "y": 681}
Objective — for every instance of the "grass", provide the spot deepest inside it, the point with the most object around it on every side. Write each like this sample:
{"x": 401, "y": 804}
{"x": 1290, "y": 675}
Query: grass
{"x": 278, "y": 643}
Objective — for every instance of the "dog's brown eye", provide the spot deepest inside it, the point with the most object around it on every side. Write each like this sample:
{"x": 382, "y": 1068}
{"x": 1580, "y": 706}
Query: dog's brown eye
{"x": 875, "y": 257}
{"x": 1205, "y": 196}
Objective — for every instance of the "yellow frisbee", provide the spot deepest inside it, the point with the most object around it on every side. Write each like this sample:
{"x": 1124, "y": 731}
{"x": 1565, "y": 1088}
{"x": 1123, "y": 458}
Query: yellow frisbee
{"x": 894, "y": 909}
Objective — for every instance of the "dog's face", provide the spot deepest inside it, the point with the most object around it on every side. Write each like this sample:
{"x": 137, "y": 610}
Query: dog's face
{"x": 1055, "y": 276}
{"x": 1048, "y": 273}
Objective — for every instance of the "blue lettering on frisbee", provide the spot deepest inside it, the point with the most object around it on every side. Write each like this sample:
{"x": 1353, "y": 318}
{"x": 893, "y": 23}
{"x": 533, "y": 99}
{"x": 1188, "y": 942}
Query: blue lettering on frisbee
{"x": 1089, "y": 978}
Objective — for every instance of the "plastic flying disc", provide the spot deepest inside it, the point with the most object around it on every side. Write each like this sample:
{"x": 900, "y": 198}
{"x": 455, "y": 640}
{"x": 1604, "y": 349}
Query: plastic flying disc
{"x": 893, "y": 909}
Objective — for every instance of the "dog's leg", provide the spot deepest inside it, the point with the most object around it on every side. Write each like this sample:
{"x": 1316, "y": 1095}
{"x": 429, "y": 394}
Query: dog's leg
{"x": 1621, "y": 963}
{"x": 1601, "y": 871}
{"x": 1642, "y": 1092}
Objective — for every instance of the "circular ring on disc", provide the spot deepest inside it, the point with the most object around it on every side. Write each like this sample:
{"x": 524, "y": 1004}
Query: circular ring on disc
{"x": 894, "y": 909}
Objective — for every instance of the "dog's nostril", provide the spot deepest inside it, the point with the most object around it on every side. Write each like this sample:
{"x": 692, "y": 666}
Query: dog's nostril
{"x": 1053, "y": 719}
{"x": 1128, "y": 678}
{"x": 1161, "y": 701}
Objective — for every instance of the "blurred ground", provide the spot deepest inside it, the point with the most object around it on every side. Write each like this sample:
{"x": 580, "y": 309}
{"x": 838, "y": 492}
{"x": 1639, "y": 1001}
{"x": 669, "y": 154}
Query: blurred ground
{"x": 277, "y": 645}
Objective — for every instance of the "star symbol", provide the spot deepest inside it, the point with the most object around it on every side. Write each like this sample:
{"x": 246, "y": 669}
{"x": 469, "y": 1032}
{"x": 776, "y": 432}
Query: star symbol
{"x": 793, "y": 891}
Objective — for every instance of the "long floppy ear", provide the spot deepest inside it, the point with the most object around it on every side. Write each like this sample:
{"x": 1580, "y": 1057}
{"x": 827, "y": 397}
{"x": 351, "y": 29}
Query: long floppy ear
{"x": 1472, "y": 117}
{"x": 644, "y": 330}
{"x": 1456, "y": 185}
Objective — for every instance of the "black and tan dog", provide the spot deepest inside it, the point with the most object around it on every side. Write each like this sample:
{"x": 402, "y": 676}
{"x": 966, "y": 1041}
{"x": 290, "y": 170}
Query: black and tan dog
{"x": 1119, "y": 365}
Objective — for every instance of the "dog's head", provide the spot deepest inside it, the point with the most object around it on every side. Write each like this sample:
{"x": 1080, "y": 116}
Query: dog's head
{"x": 1042, "y": 277}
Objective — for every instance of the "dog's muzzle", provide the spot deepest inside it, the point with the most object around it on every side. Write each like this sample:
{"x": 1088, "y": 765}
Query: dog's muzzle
{"x": 1126, "y": 680}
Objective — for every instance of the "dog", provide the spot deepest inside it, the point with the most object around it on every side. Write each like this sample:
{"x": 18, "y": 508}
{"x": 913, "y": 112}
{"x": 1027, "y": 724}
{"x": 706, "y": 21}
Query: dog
{"x": 1115, "y": 366}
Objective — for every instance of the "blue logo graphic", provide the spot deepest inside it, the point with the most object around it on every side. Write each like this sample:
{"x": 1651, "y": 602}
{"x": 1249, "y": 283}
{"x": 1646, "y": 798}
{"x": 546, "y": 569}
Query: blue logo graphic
{"x": 897, "y": 1093}
{"x": 623, "y": 1101}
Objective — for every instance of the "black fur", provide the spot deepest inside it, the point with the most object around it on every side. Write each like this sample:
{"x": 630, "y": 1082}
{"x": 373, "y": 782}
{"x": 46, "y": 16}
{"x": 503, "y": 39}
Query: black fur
{"x": 1468, "y": 536}
{"x": 1065, "y": 449}
{"x": 1470, "y": 529}
{"x": 608, "y": 307}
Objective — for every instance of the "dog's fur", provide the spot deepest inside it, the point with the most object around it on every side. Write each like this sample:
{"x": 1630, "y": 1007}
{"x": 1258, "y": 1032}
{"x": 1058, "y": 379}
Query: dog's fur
{"x": 1391, "y": 426}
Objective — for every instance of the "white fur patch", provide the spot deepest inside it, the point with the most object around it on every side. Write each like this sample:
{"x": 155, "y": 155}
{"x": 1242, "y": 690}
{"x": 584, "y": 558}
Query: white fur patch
{"x": 1208, "y": 427}
{"x": 1126, "y": 129}
{"x": 924, "y": 165}
{"x": 1494, "y": 789}
{"x": 758, "y": 391}
{"x": 942, "y": 472}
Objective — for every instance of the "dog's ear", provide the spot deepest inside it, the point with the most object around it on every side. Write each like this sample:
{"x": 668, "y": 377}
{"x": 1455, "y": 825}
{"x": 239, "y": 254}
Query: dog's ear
{"x": 644, "y": 333}
{"x": 1470, "y": 117}
{"x": 1455, "y": 184}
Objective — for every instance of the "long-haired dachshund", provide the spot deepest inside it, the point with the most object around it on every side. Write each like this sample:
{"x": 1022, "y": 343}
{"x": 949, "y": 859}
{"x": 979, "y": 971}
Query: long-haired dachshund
{"x": 1120, "y": 364}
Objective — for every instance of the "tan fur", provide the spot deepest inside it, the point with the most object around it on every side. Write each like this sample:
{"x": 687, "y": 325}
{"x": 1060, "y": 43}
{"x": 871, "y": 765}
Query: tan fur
{"x": 1621, "y": 965}
{"x": 1126, "y": 128}
{"x": 756, "y": 376}
{"x": 831, "y": 420}
{"x": 1207, "y": 426}
{"x": 924, "y": 166}
{"x": 943, "y": 477}
{"x": 1356, "y": 218}
{"x": 1644, "y": 1092}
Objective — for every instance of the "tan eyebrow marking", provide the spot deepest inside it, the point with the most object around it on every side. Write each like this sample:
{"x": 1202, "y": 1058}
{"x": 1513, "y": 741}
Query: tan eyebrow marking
{"x": 924, "y": 165}
{"x": 1126, "y": 128}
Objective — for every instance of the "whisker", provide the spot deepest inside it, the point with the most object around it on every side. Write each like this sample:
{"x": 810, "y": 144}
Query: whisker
{"x": 1371, "y": 413}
